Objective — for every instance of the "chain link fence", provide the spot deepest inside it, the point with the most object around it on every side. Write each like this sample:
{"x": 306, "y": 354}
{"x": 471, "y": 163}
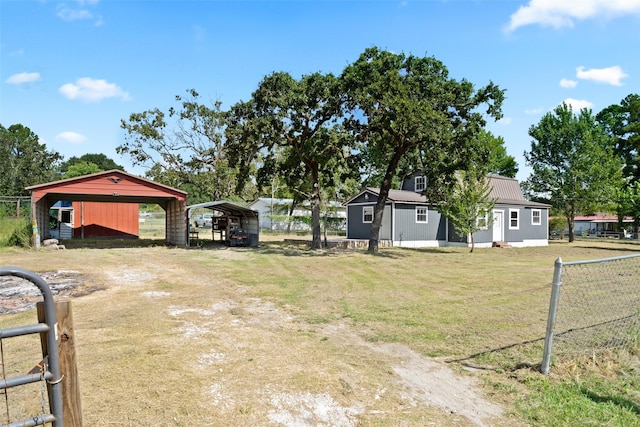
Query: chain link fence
{"x": 595, "y": 306}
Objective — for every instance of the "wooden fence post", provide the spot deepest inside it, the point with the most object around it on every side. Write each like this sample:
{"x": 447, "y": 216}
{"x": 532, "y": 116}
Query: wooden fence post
{"x": 71, "y": 405}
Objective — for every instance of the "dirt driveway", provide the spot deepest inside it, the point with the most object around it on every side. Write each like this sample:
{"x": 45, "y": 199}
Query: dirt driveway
{"x": 163, "y": 343}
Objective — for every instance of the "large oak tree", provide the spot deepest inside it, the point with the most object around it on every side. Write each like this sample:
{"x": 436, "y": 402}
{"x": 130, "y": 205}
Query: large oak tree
{"x": 291, "y": 127}
{"x": 409, "y": 113}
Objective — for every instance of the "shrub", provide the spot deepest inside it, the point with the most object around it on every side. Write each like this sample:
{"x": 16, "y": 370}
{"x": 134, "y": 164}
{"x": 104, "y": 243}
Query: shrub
{"x": 17, "y": 232}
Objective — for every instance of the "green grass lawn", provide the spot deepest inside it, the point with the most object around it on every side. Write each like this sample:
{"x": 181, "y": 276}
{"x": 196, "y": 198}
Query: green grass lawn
{"x": 485, "y": 311}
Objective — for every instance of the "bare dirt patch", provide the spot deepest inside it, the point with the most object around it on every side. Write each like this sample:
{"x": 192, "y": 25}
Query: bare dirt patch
{"x": 18, "y": 294}
{"x": 429, "y": 381}
{"x": 419, "y": 381}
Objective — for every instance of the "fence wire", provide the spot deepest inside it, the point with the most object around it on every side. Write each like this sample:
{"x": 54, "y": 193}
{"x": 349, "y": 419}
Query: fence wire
{"x": 15, "y": 206}
{"x": 598, "y": 308}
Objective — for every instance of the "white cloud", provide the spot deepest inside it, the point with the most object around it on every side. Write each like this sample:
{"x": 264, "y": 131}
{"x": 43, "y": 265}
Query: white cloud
{"x": 505, "y": 121}
{"x": 534, "y": 111}
{"x": 69, "y": 15}
{"x": 79, "y": 12}
{"x": 21, "y": 78}
{"x": 610, "y": 75}
{"x": 72, "y": 137}
{"x": 88, "y": 89}
{"x": 563, "y": 13}
{"x": 578, "y": 104}
{"x": 566, "y": 83}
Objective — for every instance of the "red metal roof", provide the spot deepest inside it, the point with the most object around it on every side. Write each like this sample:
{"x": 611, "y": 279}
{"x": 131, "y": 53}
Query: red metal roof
{"x": 602, "y": 218}
{"x": 114, "y": 184}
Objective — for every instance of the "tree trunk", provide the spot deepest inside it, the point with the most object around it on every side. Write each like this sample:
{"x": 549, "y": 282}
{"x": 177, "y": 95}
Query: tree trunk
{"x": 473, "y": 243}
{"x": 316, "y": 241}
{"x": 324, "y": 228}
{"x": 294, "y": 203}
{"x": 382, "y": 201}
{"x": 571, "y": 233}
{"x": 380, "y": 204}
{"x": 378, "y": 211}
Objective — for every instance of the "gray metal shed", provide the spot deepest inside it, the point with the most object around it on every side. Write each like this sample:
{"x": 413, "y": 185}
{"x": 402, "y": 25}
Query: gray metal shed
{"x": 231, "y": 215}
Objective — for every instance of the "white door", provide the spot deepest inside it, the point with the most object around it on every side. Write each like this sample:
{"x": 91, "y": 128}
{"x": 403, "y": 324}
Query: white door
{"x": 498, "y": 228}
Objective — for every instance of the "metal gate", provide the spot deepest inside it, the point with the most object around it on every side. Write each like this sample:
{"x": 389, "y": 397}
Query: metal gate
{"x": 51, "y": 371}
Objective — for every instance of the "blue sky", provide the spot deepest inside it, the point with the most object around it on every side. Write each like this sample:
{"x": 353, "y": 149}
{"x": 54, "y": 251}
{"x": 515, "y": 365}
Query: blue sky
{"x": 70, "y": 71}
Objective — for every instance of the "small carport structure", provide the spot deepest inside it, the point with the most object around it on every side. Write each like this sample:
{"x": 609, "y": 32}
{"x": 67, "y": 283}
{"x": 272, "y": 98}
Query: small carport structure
{"x": 112, "y": 186}
{"x": 231, "y": 216}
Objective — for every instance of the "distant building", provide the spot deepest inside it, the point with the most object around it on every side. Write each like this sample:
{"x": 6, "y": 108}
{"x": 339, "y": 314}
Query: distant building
{"x": 602, "y": 225}
{"x": 276, "y": 214}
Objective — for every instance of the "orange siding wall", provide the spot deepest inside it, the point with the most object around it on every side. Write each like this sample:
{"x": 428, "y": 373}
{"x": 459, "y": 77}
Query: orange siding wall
{"x": 103, "y": 219}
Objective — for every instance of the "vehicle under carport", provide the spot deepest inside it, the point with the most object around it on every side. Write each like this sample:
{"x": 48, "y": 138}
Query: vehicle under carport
{"x": 228, "y": 217}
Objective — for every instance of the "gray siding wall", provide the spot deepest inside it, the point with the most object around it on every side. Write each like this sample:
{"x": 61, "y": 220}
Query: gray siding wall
{"x": 407, "y": 229}
{"x": 409, "y": 183}
{"x": 483, "y": 236}
{"x": 526, "y": 230}
{"x": 356, "y": 229}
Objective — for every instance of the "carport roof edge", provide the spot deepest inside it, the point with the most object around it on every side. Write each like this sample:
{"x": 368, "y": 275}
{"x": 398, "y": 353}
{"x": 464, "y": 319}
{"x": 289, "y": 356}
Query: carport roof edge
{"x": 224, "y": 206}
{"x": 98, "y": 174}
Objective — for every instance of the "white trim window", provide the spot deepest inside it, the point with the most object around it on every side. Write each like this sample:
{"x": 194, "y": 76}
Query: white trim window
{"x": 482, "y": 222}
{"x": 536, "y": 216}
{"x": 514, "y": 219}
{"x": 422, "y": 214}
{"x": 367, "y": 214}
{"x": 420, "y": 183}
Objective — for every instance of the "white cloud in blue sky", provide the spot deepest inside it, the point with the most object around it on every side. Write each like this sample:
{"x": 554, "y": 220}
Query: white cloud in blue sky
{"x": 564, "y": 13}
{"x": 610, "y": 75}
{"x": 68, "y": 14}
{"x": 78, "y": 11}
{"x": 72, "y": 137}
{"x": 93, "y": 90}
{"x": 578, "y": 104}
{"x": 22, "y": 78}
{"x": 566, "y": 83}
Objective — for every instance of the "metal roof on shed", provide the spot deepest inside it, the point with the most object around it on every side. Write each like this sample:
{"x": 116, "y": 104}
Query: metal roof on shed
{"x": 226, "y": 207}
